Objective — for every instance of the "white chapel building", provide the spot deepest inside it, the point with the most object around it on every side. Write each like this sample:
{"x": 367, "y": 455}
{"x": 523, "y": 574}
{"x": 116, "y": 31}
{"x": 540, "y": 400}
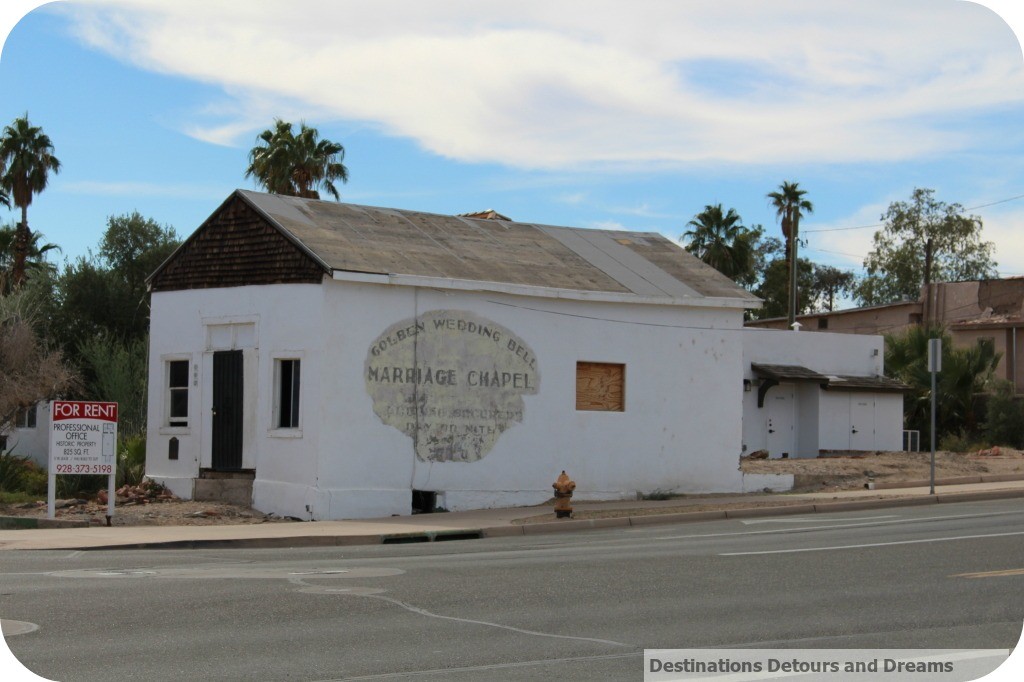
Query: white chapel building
{"x": 348, "y": 362}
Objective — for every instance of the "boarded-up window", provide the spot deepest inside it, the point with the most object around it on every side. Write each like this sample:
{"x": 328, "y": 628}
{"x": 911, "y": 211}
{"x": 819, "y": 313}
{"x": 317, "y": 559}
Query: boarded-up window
{"x": 600, "y": 386}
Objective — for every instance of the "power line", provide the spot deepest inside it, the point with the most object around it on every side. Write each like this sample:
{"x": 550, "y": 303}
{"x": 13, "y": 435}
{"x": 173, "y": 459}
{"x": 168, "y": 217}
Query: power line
{"x": 1001, "y": 201}
{"x": 866, "y": 227}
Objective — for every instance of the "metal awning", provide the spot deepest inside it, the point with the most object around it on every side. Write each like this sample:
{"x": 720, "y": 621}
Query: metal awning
{"x": 787, "y": 373}
{"x": 773, "y": 375}
{"x": 873, "y": 384}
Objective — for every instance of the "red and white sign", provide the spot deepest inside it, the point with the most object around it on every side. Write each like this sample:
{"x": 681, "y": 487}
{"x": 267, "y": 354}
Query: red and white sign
{"x": 83, "y": 437}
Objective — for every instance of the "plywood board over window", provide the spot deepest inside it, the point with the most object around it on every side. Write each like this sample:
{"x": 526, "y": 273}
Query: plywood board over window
{"x": 600, "y": 386}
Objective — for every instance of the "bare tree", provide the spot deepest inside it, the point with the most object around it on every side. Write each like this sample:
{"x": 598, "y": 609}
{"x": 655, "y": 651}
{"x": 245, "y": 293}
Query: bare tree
{"x": 29, "y": 371}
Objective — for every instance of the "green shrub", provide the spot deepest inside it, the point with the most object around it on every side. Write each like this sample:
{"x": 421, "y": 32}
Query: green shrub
{"x": 1004, "y": 420}
{"x": 21, "y": 475}
{"x": 35, "y": 480}
{"x": 19, "y": 498}
{"x": 962, "y": 441}
{"x": 80, "y": 487}
{"x": 131, "y": 460}
{"x": 12, "y": 472}
{"x": 657, "y": 495}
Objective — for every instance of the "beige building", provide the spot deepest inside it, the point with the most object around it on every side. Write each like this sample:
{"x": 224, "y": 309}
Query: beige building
{"x": 987, "y": 311}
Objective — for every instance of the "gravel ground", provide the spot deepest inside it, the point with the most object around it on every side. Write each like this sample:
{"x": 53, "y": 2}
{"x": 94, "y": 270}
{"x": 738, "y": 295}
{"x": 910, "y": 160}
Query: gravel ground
{"x": 837, "y": 472}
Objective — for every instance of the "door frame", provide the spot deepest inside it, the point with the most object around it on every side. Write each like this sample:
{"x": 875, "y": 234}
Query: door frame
{"x": 228, "y": 414}
{"x": 787, "y": 392}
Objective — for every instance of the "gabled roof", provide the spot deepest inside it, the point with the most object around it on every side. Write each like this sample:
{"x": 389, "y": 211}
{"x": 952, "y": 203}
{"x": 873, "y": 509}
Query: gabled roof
{"x": 363, "y": 243}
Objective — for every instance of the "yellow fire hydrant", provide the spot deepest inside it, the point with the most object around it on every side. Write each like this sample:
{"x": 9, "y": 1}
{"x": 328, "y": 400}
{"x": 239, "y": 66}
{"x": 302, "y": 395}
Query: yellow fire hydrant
{"x": 563, "y": 494}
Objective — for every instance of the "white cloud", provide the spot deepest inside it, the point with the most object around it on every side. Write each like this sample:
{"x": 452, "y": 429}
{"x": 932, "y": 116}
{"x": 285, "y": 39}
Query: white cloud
{"x": 540, "y": 84}
{"x": 837, "y": 244}
{"x": 141, "y": 189}
{"x": 845, "y": 242}
{"x": 612, "y": 225}
{"x": 1005, "y": 227}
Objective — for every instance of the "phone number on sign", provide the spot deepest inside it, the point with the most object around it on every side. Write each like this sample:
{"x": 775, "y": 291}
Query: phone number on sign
{"x": 85, "y": 468}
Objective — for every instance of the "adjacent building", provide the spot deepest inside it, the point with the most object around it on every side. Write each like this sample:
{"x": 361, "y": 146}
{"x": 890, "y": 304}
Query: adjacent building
{"x": 29, "y": 435}
{"x": 985, "y": 311}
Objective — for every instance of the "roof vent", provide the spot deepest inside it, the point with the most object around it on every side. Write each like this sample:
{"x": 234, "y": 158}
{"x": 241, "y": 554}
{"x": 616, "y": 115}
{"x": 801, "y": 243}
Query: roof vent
{"x": 488, "y": 214}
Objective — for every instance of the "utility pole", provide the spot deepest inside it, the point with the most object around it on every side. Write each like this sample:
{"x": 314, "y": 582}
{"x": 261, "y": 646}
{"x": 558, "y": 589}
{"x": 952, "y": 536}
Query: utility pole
{"x": 934, "y": 366}
{"x": 928, "y": 261}
{"x": 793, "y": 261}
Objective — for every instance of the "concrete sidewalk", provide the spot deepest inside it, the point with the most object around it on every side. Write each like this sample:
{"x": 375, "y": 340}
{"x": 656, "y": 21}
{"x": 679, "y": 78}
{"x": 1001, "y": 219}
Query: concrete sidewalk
{"x": 495, "y": 522}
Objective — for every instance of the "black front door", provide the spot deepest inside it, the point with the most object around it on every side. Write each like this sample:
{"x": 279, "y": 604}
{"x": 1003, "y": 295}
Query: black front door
{"x": 227, "y": 410}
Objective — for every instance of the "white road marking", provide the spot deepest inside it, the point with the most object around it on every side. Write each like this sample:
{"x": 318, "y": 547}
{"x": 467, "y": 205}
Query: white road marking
{"x": 11, "y": 628}
{"x": 873, "y": 544}
{"x": 447, "y": 673}
{"x": 424, "y": 612}
{"x": 816, "y": 519}
{"x": 841, "y": 525}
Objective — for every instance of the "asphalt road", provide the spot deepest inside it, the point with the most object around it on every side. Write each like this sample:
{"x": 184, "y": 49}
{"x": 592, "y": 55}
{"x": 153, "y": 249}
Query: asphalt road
{"x": 573, "y": 606}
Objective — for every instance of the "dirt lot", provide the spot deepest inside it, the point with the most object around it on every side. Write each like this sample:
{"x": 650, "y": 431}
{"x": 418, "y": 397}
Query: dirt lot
{"x": 171, "y": 512}
{"x": 821, "y": 474}
{"x": 842, "y": 472}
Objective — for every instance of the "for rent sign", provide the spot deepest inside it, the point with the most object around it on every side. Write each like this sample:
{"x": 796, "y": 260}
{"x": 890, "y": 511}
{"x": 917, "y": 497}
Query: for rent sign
{"x": 83, "y": 440}
{"x": 83, "y": 437}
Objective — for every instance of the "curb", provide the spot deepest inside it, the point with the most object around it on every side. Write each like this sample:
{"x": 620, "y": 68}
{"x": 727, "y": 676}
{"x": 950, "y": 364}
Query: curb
{"x": 960, "y": 480}
{"x": 559, "y": 526}
{"x": 29, "y": 522}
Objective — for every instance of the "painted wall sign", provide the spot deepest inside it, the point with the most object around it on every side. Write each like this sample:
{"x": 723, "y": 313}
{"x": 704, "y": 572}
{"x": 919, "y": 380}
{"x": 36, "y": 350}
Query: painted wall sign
{"x": 452, "y": 381}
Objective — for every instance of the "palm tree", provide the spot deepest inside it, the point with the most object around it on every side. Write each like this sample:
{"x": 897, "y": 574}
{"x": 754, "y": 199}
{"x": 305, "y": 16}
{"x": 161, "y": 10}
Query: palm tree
{"x": 296, "y": 165}
{"x": 720, "y": 240}
{"x": 26, "y": 161}
{"x": 790, "y": 206}
{"x": 35, "y": 260}
{"x": 966, "y": 372}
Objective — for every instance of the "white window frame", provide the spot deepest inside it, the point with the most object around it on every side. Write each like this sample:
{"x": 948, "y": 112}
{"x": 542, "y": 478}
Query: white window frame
{"x": 24, "y": 422}
{"x": 168, "y": 425}
{"x": 276, "y": 429}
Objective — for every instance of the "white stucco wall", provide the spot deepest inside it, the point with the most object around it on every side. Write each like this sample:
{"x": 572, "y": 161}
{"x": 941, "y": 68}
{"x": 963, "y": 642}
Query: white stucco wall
{"x": 682, "y": 384}
{"x": 678, "y": 431}
{"x": 264, "y": 322}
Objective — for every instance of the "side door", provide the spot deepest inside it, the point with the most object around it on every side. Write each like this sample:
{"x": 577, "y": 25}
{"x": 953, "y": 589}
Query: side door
{"x": 781, "y": 412}
{"x": 862, "y": 422}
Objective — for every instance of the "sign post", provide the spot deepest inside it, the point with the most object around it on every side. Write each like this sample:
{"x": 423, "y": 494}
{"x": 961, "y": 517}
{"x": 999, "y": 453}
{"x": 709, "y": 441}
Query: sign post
{"x": 83, "y": 440}
{"x": 934, "y": 366}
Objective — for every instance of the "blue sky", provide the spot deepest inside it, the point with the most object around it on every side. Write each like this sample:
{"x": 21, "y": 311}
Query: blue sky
{"x": 591, "y": 113}
{"x": 598, "y": 114}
